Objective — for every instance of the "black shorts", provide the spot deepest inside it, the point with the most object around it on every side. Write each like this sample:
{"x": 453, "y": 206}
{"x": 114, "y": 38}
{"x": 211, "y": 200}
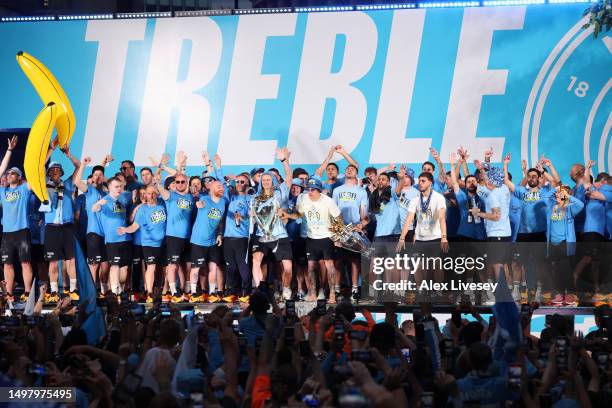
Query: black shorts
{"x": 281, "y": 249}
{"x": 202, "y": 255}
{"x": 119, "y": 253}
{"x": 530, "y": 245}
{"x": 96, "y": 250}
{"x": 591, "y": 244}
{"x": 298, "y": 247}
{"x": 344, "y": 255}
{"x": 152, "y": 255}
{"x": 467, "y": 247}
{"x": 137, "y": 255}
{"x": 429, "y": 249}
{"x": 498, "y": 250}
{"x": 385, "y": 245}
{"x": 317, "y": 249}
{"x": 59, "y": 242}
{"x": 38, "y": 253}
{"x": 177, "y": 249}
{"x": 16, "y": 247}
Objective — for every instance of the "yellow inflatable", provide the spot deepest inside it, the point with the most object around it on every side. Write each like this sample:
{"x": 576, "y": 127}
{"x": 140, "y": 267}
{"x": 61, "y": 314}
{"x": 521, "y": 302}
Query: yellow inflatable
{"x": 36, "y": 151}
{"x": 49, "y": 90}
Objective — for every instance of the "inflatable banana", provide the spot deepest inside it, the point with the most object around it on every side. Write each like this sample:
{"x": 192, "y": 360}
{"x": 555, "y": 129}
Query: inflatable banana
{"x": 49, "y": 90}
{"x": 36, "y": 151}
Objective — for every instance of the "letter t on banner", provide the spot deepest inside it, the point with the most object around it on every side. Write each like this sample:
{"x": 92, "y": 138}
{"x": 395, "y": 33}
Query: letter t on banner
{"x": 472, "y": 79}
{"x": 113, "y": 38}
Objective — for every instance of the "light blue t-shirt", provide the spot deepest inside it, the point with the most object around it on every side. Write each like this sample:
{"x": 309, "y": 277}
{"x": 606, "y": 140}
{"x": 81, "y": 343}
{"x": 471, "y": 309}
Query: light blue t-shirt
{"x": 349, "y": 200}
{"x": 92, "y": 196}
{"x": 179, "y": 209}
{"x": 330, "y": 187}
{"x": 237, "y": 204}
{"x": 15, "y": 202}
{"x": 499, "y": 198}
{"x": 387, "y": 220}
{"x": 64, "y": 213}
{"x": 207, "y": 221}
{"x": 533, "y": 214}
{"x": 557, "y": 227}
{"x": 595, "y": 219}
{"x": 152, "y": 224}
{"x": 403, "y": 200}
{"x": 114, "y": 215}
{"x": 476, "y": 228}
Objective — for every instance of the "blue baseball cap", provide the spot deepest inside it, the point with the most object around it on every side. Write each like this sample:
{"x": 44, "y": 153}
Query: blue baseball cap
{"x": 55, "y": 165}
{"x": 14, "y": 170}
{"x": 297, "y": 182}
{"x": 314, "y": 183}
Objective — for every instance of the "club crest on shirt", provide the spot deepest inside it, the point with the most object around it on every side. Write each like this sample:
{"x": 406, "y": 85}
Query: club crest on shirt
{"x": 11, "y": 196}
{"x": 532, "y": 196}
{"x": 214, "y": 214}
{"x": 313, "y": 215}
{"x": 158, "y": 216}
{"x": 183, "y": 204}
{"x": 347, "y": 196}
{"x": 118, "y": 208}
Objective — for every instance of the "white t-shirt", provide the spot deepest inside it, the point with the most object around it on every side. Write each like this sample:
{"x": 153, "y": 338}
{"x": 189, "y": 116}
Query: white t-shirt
{"x": 318, "y": 214}
{"x": 428, "y": 222}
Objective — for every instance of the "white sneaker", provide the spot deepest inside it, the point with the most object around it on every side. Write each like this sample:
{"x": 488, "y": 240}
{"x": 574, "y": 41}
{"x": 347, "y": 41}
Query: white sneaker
{"x": 516, "y": 294}
{"x": 286, "y": 294}
{"x": 538, "y": 295}
{"x": 321, "y": 295}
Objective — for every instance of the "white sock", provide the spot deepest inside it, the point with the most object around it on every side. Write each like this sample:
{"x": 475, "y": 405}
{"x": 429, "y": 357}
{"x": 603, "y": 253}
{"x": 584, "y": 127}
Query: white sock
{"x": 103, "y": 287}
{"x": 187, "y": 287}
{"x": 73, "y": 284}
{"x": 116, "y": 289}
{"x": 524, "y": 284}
{"x": 54, "y": 287}
{"x": 172, "y": 288}
{"x": 194, "y": 288}
{"x": 516, "y": 284}
{"x": 213, "y": 288}
{"x": 355, "y": 289}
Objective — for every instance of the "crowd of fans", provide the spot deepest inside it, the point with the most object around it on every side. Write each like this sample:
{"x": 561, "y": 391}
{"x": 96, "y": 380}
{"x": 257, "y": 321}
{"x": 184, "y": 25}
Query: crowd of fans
{"x": 264, "y": 356}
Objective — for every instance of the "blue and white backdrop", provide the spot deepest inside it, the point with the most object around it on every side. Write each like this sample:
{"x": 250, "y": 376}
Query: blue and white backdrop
{"x": 385, "y": 84}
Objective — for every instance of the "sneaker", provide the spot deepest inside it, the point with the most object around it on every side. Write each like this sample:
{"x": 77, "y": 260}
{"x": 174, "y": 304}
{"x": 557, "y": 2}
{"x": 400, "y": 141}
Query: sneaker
{"x": 74, "y": 295}
{"x": 176, "y": 298}
{"x": 167, "y": 297}
{"x": 355, "y": 296}
{"x": 149, "y": 299}
{"x": 213, "y": 298}
{"x": 186, "y": 297}
{"x": 230, "y": 298}
{"x": 516, "y": 294}
{"x": 558, "y": 300}
{"x": 287, "y": 294}
{"x": 538, "y": 295}
{"x": 321, "y": 295}
{"x": 547, "y": 299}
{"x": 66, "y": 292}
{"x": 194, "y": 298}
{"x": 524, "y": 296}
{"x": 598, "y": 300}
{"x": 301, "y": 296}
{"x": 10, "y": 298}
{"x": 24, "y": 297}
{"x": 571, "y": 300}
{"x": 489, "y": 298}
{"x": 244, "y": 299}
{"x": 134, "y": 297}
{"x": 53, "y": 298}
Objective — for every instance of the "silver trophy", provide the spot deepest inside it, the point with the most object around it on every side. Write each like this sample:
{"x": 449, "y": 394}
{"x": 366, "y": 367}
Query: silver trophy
{"x": 349, "y": 238}
{"x": 264, "y": 212}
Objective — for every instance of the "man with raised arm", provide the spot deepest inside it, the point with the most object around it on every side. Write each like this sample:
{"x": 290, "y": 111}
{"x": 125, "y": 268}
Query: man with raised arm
{"x": 16, "y": 243}
{"x": 180, "y": 206}
{"x": 532, "y": 227}
{"x": 352, "y": 201}
{"x": 113, "y": 210}
{"x": 96, "y": 249}
{"x": 59, "y": 230}
{"x": 332, "y": 170}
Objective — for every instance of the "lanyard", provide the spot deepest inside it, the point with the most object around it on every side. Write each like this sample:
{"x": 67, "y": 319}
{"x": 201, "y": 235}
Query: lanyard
{"x": 425, "y": 205}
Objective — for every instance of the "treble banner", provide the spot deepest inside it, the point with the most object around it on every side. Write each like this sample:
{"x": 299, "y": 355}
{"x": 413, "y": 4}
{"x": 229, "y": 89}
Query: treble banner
{"x": 386, "y": 85}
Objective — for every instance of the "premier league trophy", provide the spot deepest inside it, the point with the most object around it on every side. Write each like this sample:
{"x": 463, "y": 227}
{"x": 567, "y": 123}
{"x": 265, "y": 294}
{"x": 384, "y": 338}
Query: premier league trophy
{"x": 264, "y": 212}
{"x": 349, "y": 238}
